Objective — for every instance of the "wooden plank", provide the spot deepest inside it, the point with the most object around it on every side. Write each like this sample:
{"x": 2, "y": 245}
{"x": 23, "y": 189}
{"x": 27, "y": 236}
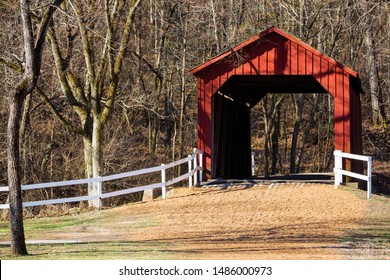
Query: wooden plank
{"x": 324, "y": 74}
{"x": 301, "y": 60}
{"x": 317, "y": 67}
{"x": 133, "y": 190}
{"x": 272, "y": 56}
{"x": 263, "y": 59}
{"x": 354, "y": 156}
{"x": 353, "y": 174}
{"x": 309, "y": 63}
{"x": 294, "y": 59}
{"x": 287, "y": 58}
{"x": 347, "y": 114}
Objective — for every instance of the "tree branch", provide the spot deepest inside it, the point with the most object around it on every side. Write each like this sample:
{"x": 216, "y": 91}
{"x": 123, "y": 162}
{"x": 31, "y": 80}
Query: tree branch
{"x": 57, "y": 114}
{"x": 85, "y": 42}
{"x": 15, "y": 66}
{"x": 45, "y": 22}
{"x": 118, "y": 63}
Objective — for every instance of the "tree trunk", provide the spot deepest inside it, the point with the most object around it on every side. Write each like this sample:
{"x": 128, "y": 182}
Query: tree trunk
{"x": 378, "y": 116}
{"x": 18, "y": 245}
{"x": 87, "y": 140}
{"x": 97, "y": 158}
{"x": 275, "y": 139}
{"x": 183, "y": 89}
{"x": 307, "y": 132}
{"x": 294, "y": 142}
{"x": 266, "y": 136}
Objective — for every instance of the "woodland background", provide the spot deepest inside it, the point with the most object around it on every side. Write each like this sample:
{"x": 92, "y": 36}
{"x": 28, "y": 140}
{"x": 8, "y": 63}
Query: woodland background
{"x": 153, "y": 108}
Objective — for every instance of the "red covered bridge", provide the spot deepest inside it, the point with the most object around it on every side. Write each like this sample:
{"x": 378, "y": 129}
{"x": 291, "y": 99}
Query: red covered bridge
{"x": 230, "y": 84}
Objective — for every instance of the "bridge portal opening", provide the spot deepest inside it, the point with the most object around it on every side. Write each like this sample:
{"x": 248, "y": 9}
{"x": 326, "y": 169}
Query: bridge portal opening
{"x": 231, "y": 118}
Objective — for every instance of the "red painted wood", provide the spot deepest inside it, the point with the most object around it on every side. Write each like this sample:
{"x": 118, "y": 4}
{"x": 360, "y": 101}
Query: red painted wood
{"x": 301, "y": 60}
{"x": 274, "y": 52}
{"x": 309, "y": 63}
{"x": 294, "y": 59}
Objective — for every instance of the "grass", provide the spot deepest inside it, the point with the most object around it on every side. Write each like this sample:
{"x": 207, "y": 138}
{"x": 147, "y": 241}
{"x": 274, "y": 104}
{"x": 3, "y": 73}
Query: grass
{"x": 46, "y": 228}
{"x": 371, "y": 240}
{"x": 96, "y": 251}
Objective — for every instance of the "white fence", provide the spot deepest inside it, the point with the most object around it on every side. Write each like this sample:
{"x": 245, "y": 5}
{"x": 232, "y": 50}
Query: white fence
{"x": 339, "y": 172}
{"x": 193, "y": 168}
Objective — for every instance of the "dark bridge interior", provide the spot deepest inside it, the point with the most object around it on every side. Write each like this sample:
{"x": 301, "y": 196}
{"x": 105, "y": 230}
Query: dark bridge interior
{"x": 232, "y": 104}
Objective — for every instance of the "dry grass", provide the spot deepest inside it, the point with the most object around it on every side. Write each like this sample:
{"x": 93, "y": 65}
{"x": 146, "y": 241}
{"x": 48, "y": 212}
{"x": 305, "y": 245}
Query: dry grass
{"x": 371, "y": 240}
{"x": 293, "y": 221}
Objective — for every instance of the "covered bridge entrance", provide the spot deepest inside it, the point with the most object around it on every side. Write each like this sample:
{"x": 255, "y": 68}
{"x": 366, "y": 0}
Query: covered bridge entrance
{"x": 230, "y": 84}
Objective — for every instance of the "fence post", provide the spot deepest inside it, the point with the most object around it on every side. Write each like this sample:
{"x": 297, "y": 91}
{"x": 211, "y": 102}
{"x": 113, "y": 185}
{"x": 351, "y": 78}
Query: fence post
{"x": 335, "y": 170}
{"x": 369, "y": 175}
{"x": 189, "y": 170}
{"x": 195, "y": 167}
{"x": 253, "y": 163}
{"x": 163, "y": 180}
{"x": 338, "y": 164}
{"x": 201, "y": 166}
{"x": 99, "y": 193}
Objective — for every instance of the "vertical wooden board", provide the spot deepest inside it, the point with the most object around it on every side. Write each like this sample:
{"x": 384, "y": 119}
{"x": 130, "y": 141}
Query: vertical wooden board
{"x": 332, "y": 79}
{"x": 253, "y": 58}
{"x": 216, "y": 137}
{"x": 214, "y": 85}
{"x": 263, "y": 59}
{"x": 207, "y": 124}
{"x": 339, "y": 82}
{"x": 200, "y": 114}
{"x": 247, "y": 68}
{"x": 309, "y": 63}
{"x": 294, "y": 59}
{"x": 271, "y": 56}
{"x": 301, "y": 60}
{"x": 338, "y": 124}
{"x": 287, "y": 57}
{"x": 279, "y": 52}
{"x": 356, "y": 126}
{"x": 317, "y": 67}
{"x": 223, "y": 70}
{"x": 347, "y": 113}
{"x": 279, "y": 59}
{"x": 255, "y": 65}
{"x": 201, "y": 121}
{"x": 324, "y": 74}
{"x": 238, "y": 68}
{"x": 338, "y": 111}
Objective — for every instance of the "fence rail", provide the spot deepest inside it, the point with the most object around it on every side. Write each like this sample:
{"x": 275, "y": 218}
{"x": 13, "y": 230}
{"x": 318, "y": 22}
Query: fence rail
{"x": 192, "y": 175}
{"x": 339, "y": 172}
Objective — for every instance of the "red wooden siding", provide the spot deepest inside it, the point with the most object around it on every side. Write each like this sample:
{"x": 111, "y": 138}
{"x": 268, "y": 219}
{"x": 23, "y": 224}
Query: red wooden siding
{"x": 274, "y": 52}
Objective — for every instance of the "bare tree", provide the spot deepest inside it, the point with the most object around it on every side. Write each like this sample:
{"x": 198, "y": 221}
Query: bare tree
{"x": 33, "y": 49}
{"x": 378, "y": 114}
{"x": 92, "y": 95}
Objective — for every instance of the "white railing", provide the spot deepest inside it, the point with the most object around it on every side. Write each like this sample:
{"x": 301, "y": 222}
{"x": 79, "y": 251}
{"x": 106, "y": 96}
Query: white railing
{"x": 191, "y": 174}
{"x": 339, "y": 172}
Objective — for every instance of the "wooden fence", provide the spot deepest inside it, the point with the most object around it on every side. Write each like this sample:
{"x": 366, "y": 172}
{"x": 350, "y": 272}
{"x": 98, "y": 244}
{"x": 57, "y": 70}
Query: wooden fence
{"x": 339, "y": 172}
{"x": 195, "y": 169}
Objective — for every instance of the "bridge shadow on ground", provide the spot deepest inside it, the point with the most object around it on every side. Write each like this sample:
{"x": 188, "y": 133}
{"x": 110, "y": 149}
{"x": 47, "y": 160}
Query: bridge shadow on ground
{"x": 321, "y": 178}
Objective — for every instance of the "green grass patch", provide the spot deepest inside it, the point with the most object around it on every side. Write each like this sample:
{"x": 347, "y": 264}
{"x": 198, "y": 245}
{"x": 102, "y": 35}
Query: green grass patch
{"x": 96, "y": 251}
{"x": 94, "y": 225}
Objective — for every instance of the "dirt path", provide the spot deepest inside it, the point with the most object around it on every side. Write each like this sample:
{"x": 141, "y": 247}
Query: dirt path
{"x": 284, "y": 221}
